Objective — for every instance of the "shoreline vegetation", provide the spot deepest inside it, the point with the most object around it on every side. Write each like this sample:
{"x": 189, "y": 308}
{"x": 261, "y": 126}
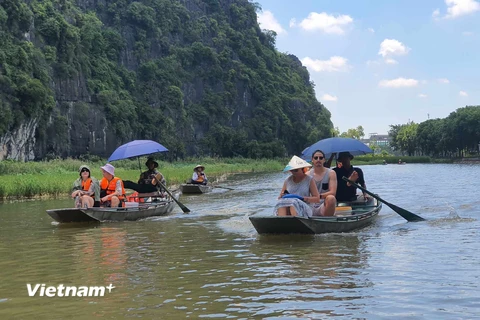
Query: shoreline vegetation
{"x": 54, "y": 178}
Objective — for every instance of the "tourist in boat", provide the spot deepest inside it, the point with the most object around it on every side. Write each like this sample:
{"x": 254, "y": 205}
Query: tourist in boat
{"x": 345, "y": 191}
{"x": 199, "y": 176}
{"x": 86, "y": 189}
{"x": 111, "y": 187}
{"x": 148, "y": 179}
{"x": 326, "y": 181}
{"x": 299, "y": 191}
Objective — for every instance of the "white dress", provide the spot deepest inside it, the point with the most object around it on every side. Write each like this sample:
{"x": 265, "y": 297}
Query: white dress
{"x": 302, "y": 189}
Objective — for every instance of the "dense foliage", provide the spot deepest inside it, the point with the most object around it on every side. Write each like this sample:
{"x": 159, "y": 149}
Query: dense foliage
{"x": 202, "y": 80}
{"x": 454, "y": 136}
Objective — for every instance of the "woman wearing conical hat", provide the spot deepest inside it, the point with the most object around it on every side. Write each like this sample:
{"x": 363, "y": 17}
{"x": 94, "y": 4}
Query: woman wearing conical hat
{"x": 299, "y": 191}
{"x": 199, "y": 177}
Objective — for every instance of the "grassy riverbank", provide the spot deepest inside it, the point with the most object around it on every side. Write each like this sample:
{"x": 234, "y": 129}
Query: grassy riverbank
{"x": 55, "y": 178}
{"x": 377, "y": 159}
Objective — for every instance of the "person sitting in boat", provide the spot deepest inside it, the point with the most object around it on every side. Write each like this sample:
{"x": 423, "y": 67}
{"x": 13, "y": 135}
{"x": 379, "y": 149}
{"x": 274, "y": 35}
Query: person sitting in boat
{"x": 298, "y": 192}
{"x": 111, "y": 187}
{"x": 199, "y": 176}
{"x": 86, "y": 189}
{"x": 326, "y": 181}
{"x": 148, "y": 179}
{"x": 345, "y": 191}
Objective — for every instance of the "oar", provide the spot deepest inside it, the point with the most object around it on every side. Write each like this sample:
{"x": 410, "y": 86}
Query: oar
{"x": 184, "y": 209}
{"x": 407, "y": 215}
{"x": 223, "y": 187}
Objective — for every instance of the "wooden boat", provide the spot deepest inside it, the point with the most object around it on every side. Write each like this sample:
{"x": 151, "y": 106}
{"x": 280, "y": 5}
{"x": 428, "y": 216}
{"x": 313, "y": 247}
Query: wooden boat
{"x": 360, "y": 216}
{"x": 156, "y": 207}
{"x": 190, "y": 188}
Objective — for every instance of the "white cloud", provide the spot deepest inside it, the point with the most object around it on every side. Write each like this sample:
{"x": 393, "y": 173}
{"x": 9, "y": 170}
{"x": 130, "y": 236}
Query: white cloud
{"x": 443, "y": 80}
{"x": 327, "y": 97}
{"x": 293, "y": 23}
{"x": 371, "y": 30}
{"x": 392, "y": 47}
{"x": 379, "y": 62}
{"x": 398, "y": 83}
{"x": 267, "y": 21}
{"x": 463, "y": 94}
{"x": 391, "y": 61}
{"x": 334, "y": 64}
{"x": 458, "y": 8}
{"x": 422, "y": 95}
{"x": 326, "y": 23}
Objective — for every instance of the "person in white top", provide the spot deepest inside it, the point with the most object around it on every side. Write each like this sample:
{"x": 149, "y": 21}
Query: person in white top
{"x": 199, "y": 177}
{"x": 326, "y": 182}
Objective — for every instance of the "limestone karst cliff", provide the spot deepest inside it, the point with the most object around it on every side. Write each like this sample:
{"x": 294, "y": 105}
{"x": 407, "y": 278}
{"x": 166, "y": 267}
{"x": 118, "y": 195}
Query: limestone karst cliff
{"x": 84, "y": 76}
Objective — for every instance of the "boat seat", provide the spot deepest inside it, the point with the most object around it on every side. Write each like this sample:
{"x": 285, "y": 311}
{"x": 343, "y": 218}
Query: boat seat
{"x": 343, "y": 211}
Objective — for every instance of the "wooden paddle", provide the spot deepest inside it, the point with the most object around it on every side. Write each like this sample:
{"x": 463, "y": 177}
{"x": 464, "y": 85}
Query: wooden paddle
{"x": 407, "y": 215}
{"x": 184, "y": 209}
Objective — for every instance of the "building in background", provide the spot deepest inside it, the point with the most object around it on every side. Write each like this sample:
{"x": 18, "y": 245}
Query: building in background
{"x": 375, "y": 139}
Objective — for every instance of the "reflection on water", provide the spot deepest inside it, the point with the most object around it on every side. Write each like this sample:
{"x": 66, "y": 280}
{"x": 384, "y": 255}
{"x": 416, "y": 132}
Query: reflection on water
{"x": 212, "y": 263}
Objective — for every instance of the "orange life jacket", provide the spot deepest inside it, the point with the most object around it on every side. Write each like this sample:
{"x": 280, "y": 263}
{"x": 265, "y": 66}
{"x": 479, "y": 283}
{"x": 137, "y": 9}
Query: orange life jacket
{"x": 200, "y": 178}
{"x": 110, "y": 187}
{"x": 86, "y": 185}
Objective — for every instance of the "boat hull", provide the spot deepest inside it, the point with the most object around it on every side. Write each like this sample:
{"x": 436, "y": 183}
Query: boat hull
{"x": 69, "y": 215}
{"x": 361, "y": 217}
{"x": 194, "y": 188}
{"x": 145, "y": 210}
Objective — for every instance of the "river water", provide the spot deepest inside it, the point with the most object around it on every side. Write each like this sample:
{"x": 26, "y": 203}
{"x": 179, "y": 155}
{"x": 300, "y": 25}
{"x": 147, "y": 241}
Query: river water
{"x": 212, "y": 263}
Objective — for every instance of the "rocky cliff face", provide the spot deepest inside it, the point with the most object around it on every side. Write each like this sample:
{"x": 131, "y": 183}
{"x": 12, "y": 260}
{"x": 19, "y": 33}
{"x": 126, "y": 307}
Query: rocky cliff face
{"x": 169, "y": 70}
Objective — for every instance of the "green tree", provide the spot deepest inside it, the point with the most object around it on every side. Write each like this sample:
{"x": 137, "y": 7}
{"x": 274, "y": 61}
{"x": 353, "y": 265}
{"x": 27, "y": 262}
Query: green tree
{"x": 356, "y": 133}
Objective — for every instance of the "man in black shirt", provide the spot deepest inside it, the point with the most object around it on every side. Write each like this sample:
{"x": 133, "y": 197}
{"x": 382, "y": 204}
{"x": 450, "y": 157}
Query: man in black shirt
{"x": 345, "y": 191}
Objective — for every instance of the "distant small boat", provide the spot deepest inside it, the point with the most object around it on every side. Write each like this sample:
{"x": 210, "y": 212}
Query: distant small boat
{"x": 143, "y": 210}
{"x": 190, "y": 188}
{"x": 359, "y": 216}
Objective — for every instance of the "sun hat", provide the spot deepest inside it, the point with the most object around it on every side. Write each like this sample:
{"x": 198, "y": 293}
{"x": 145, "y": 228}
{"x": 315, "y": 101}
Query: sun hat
{"x": 150, "y": 159}
{"x": 345, "y": 154}
{"x": 199, "y": 166}
{"x": 109, "y": 168}
{"x": 296, "y": 163}
{"x": 82, "y": 167}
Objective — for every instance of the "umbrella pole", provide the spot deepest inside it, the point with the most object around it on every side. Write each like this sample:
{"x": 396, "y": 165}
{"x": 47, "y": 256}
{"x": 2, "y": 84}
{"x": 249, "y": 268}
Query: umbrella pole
{"x": 139, "y": 166}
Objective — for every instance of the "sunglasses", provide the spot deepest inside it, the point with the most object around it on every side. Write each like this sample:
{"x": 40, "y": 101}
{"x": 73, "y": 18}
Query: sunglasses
{"x": 318, "y": 158}
{"x": 85, "y": 170}
{"x": 294, "y": 170}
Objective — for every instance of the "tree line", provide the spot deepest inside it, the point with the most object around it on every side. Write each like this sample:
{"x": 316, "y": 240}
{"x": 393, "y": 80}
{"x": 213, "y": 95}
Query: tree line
{"x": 457, "y": 135}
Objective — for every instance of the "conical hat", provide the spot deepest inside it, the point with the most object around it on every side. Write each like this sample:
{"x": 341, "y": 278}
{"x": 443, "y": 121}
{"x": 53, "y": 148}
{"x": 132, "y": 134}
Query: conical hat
{"x": 199, "y": 166}
{"x": 296, "y": 163}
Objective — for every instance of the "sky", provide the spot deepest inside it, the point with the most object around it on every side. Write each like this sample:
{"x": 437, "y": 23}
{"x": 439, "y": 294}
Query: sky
{"x": 377, "y": 63}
